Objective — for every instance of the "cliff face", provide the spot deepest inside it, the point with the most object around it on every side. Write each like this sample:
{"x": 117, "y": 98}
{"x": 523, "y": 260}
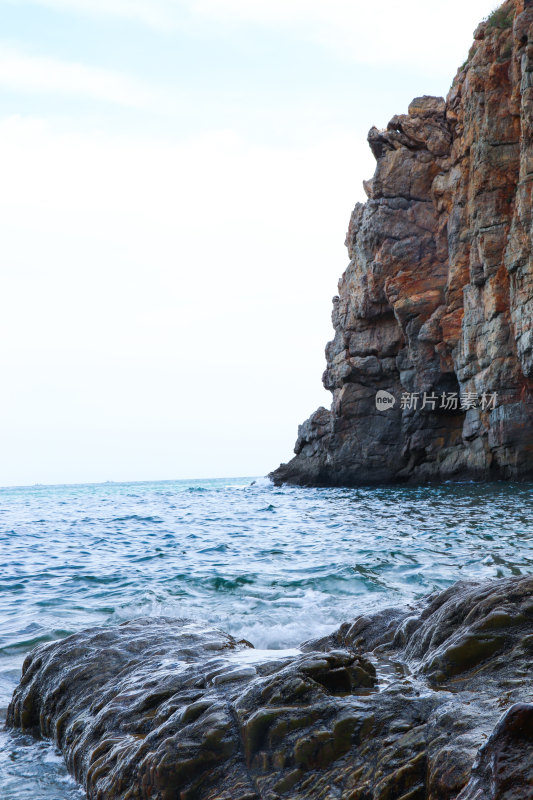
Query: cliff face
{"x": 436, "y": 305}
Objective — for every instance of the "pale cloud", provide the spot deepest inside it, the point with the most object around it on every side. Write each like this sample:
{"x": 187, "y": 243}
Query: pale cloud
{"x": 174, "y": 294}
{"x": 412, "y": 32}
{"x": 155, "y": 13}
{"x": 23, "y": 72}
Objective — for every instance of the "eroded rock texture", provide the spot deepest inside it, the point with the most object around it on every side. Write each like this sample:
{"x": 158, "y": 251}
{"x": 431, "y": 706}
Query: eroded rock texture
{"x": 430, "y": 704}
{"x": 438, "y": 295}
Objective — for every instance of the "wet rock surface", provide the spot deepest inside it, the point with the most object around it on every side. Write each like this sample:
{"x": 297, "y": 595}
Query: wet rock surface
{"x": 438, "y": 297}
{"x": 429, "y": 703}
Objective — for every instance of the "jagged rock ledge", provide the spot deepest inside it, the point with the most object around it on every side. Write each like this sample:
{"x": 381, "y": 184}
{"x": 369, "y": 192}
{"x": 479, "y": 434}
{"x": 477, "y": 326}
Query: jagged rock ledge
{"x": 434, "y": 703}
{"x": 438, "y": 296}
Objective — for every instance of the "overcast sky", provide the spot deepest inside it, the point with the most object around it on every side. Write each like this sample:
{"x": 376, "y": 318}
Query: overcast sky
{"x": 177, "y": 178}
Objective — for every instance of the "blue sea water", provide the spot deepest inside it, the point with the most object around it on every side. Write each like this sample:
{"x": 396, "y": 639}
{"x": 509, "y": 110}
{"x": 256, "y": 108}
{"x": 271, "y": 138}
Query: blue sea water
{"x": 273, "y": 565}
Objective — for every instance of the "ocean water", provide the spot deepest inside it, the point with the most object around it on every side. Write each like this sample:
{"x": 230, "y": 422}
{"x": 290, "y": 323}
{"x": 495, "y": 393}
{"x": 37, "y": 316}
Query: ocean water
{"x": 273, "y": 565}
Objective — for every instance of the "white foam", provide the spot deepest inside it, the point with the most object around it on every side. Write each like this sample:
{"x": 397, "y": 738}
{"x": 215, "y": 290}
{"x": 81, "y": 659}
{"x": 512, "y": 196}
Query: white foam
{"x": 258, "y": 656}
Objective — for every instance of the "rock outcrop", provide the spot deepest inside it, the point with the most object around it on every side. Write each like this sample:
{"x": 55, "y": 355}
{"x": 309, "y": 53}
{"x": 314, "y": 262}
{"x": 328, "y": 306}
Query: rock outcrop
{"x": 435, "y": 703}
{"x": 436, "y": 306}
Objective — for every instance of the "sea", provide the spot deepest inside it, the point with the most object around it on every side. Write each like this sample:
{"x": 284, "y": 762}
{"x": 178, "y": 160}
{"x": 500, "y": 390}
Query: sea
{"x": 274, "y": 565}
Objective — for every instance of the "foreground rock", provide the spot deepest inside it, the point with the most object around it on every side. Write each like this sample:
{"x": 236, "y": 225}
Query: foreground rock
{"x": 436, "y": 305}
{"x": 432, "y": 704}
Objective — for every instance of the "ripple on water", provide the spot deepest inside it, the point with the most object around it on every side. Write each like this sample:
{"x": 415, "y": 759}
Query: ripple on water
{"x": 30, "y": 770}
{"x": 275, "y": 566}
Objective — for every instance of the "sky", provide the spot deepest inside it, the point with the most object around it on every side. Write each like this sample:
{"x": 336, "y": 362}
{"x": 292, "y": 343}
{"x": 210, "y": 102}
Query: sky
{"x": 177, "y": 178}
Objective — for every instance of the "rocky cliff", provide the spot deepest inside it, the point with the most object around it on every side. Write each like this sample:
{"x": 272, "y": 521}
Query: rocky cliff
{"x": 435, "y": 310}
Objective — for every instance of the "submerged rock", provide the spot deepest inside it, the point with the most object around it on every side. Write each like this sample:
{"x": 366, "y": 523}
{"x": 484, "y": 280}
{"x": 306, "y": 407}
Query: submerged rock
{"x": 432, "y": 703}
{"x": 436, "y": 305}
